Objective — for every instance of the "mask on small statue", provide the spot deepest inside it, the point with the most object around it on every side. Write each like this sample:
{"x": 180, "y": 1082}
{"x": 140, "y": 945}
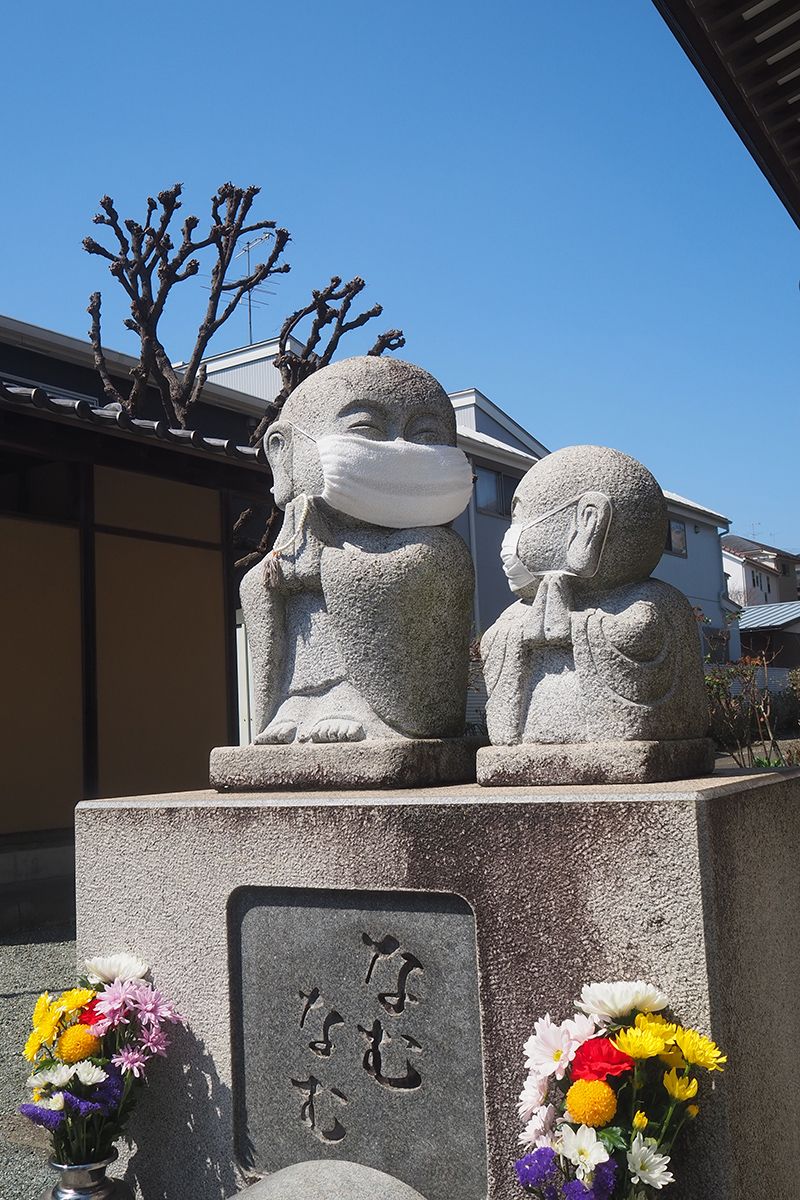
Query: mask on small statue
{"x": 519, "y": 576}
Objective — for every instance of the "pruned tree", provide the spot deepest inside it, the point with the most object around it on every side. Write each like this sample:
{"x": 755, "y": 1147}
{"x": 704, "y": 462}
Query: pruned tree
{"x": 149, "y": 265}
{"x": 294, "y": 367}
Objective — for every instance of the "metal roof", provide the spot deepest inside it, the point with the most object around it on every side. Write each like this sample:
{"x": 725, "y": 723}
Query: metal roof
{"x": 768, "y": 616}
{"x": 113, "y": 418}
{"x": 749, "y": 57}
{"x": 675, "y": 499}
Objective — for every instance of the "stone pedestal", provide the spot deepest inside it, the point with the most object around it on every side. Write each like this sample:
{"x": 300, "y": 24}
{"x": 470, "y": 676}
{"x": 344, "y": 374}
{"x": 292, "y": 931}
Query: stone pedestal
{"x": 492, "y": 907}
{"x": 594, "y": 762}
{"x": 385, "y": 763}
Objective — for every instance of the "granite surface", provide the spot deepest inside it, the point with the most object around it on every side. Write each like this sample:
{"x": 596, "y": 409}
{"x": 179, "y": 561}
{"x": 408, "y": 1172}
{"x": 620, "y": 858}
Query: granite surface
{"x": 690, "y": 885}
{"x": 320, "y": 1180}
{"x": 595, "y": 762}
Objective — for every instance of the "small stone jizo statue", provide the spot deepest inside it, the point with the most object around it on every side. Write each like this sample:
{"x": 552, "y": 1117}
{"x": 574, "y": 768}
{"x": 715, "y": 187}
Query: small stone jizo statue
{"x": 595, "y": 673}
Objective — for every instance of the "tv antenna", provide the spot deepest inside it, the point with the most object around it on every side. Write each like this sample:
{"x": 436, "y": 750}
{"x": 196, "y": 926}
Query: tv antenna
{"x": 248, "y": 246}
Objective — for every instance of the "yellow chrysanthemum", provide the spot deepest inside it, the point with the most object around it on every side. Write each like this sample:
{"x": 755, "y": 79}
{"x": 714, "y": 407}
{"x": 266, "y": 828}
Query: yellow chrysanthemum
{"x": 656, "y": 1022}
{"x": 591, "y": 1102}
{"x": 640, "y": 1043}
{"x": 672, "y": 1056}
{"x": 679, "y": 1086}
{"x": 73, "y": 1000}
{"x": 640, "y": 1120}
{"x": 32, "y": 1045}
{"x": 76, "y": 1043}
{"x": 700, "y": 1050}
{"x": 692, "y": 1110}
{"x": 41, "y": 1009}
{"x": 47, "y": 1026}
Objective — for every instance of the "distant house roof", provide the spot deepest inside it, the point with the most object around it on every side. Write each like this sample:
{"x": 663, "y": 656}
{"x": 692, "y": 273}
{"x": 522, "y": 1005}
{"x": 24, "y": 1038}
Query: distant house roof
{"x": 675, "y": 500}
{"x": 746, "y": 547}
{"x": 770, "y": 616}
{"x": 758, "y": 563}
{"x": 748, "y": 54}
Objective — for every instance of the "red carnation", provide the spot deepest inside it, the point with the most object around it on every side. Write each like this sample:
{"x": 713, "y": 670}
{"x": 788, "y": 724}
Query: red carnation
{"x": 598, "y": 1058}
{"x": 90, "y": 1015}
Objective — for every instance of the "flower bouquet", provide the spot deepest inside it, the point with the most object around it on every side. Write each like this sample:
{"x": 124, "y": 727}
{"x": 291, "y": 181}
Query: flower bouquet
{"x": 607, "y": 1095}
{"x": 89, "y": 1049}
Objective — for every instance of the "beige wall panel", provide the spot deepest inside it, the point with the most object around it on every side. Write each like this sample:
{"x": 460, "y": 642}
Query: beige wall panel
{"x": 160, "y": 664}
{"x": 41, "y": 704}
{"x": 129, "y": 500}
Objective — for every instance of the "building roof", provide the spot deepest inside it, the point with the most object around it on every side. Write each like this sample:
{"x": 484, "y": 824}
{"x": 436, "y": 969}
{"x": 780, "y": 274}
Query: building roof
{"x": 112, "y": 418}
{"x": 748, "y": 54}
{"x": 769, "y": 616}
{"x": 757, "y": 563}
{"x": 472, "y": 441}
{"x": 676, "y": 501}
{"x": 746, "y": 547}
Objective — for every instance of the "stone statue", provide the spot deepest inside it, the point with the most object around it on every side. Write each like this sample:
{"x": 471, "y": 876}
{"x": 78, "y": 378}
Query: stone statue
{"x": 595, "y": 673}
{"x": 358, "y": 621}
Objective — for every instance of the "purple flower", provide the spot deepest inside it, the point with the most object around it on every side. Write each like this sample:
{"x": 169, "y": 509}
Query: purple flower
{"x": 576, "y": 1190}
{"x": 603, "y": 1179}
{"x": 151, "y": 1007}
{"x": 50, "y": 1118}
{"x": 109, "y": 1092}
{"x": 130, "y": 1059}
{"x": 551, "y": 1192}
{"x": 83, "y": 1108}
{"x": 535, "y": 1169}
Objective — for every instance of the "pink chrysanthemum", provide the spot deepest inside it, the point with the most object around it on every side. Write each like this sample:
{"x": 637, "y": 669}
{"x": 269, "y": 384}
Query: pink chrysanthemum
{"x": 151, "y": 1007}
{"x": 155, "y": 1040}
{"x": 114, "y": 1004}
{"x": 130, "y": 1059}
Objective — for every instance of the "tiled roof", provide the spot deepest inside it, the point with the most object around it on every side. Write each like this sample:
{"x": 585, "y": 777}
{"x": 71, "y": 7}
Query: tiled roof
{"x": 113, "y": 418}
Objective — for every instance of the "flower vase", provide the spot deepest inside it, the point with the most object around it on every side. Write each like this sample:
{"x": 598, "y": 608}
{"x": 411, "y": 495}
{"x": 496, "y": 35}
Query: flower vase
{"x": 87, "y": 1181}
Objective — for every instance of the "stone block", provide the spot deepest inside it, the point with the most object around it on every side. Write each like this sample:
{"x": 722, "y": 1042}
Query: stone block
{"x": 692, "y": 886}
{"x": 410, "y": 762}
{"x": 321, "y": 1180}
{"x": 594, "y": 762}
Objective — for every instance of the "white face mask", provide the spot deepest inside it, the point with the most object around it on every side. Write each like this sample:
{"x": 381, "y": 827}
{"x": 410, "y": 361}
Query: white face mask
{"x": 397, "y": 484}
{"x": 517, "y": 573}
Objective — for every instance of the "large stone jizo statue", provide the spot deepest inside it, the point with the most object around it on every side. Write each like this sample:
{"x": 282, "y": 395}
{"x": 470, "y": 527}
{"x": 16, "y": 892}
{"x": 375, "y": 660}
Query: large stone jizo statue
{"x": 358, "y": 621}
{"x": 595, "y": 673}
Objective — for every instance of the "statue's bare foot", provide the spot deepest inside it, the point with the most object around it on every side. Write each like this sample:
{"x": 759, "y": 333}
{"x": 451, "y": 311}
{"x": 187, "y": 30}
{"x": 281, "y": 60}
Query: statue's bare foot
{"x": 279, "y": 732}
{"x": 334, "y": 729}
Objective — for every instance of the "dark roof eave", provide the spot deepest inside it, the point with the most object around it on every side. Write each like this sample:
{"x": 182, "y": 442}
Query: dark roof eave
{"x": 689, "y": 32}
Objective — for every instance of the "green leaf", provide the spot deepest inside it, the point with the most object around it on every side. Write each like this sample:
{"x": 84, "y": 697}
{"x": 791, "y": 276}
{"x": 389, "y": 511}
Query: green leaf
{"x": 613, "y": 1138}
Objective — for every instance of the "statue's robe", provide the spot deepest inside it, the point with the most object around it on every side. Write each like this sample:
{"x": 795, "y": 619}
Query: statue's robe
{"x": 388, "y": 610}
{"x": 617, "y": 665}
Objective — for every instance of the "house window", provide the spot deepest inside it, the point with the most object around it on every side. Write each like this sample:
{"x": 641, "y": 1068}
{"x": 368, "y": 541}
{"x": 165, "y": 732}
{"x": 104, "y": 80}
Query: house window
{"x": 494, "y": 491}
{"x": 676, "y": 538}
{"x": 784, "y": 569}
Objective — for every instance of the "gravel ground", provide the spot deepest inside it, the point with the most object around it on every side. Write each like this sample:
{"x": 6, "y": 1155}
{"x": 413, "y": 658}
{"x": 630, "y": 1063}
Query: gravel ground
{"x": 43, "y": 961}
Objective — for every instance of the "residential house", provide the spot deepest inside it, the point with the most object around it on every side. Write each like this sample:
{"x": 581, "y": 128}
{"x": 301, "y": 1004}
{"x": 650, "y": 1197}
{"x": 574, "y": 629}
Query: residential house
{"x": 758, "y": 573}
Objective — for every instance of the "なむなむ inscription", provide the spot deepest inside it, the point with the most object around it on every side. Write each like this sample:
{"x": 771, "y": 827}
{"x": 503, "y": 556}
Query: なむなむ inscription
{"x": 357, "y": 1034}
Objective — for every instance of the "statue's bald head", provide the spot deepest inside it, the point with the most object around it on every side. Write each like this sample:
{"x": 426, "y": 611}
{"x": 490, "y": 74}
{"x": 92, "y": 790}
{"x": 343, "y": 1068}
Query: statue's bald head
{"x": 630, "y": 532}
{"x": 379, "y": 398}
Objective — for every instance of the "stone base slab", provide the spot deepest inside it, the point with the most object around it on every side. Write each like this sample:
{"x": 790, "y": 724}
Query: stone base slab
{"x": 594, "y": 762}
{"x": 412, "y": 762}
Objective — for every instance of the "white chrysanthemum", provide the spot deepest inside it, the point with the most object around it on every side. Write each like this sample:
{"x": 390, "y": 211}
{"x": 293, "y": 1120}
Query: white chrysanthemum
{"x": 117, "y": 966}
{"x": 549, "y": 1050}
{"x": 538, "y": 1131}
{"x": 646, "y": 1165}
{"x": 583, "y": 1148}
{"x": 89, "y": 1074}
{"x": 581, "y": 1028}
{"x": 54, "y": 1102}
{"x": 59, "y": 1076}
{"x": 613, "y": 1000}
{"x": 532, "y": 1096}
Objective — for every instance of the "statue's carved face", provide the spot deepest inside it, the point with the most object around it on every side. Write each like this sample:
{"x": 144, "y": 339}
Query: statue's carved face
{"x": 544, "y": 544}
{"x": 379, "y": 399}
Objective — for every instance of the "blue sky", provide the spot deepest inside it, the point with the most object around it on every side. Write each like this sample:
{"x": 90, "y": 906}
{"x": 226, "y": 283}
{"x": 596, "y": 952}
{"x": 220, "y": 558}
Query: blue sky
{"x": 545, "y": 198}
